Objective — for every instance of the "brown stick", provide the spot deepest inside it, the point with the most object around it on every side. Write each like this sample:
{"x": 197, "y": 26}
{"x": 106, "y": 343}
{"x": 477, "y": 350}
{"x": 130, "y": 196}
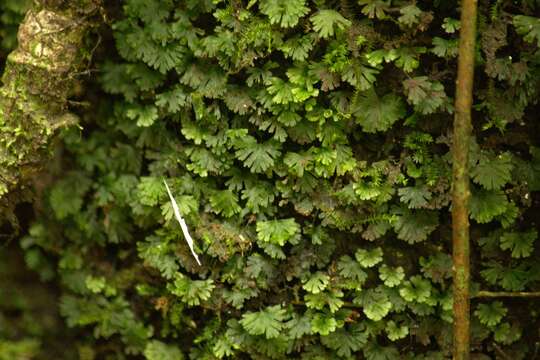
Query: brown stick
{"x": 461, "y": 192}
{"x": 496, "y": 294}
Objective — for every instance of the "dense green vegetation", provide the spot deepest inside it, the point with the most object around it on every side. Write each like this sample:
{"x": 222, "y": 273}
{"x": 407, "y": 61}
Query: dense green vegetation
{"x": 307, "y": 145}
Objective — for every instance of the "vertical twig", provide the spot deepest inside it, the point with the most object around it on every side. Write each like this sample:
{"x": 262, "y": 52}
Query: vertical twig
{"x": 460, "y": 189}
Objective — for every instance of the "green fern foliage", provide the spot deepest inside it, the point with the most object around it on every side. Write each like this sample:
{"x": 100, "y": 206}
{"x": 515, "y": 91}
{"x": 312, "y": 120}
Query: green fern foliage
{"x": 307, "y": 146}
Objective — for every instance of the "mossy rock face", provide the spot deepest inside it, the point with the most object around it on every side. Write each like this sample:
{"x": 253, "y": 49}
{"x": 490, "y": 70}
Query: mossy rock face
{"x": 49, "y": 40}
{"x": 39, "y": 77}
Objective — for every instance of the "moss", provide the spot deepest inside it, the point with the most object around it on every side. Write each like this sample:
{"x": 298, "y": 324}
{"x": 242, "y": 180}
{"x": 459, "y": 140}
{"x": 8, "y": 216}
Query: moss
{"x": 36, "y": 85}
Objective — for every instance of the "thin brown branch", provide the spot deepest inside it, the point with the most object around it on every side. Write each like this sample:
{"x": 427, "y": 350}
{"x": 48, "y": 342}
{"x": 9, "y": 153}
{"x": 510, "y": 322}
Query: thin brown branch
{"x": 508, "y": 294}
{"x": 460, "y": 184}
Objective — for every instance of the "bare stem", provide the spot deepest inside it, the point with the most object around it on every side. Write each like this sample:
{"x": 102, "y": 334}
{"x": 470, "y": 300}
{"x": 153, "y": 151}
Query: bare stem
{"x": 460, "y": 185}
{"x": 497, "y": 294}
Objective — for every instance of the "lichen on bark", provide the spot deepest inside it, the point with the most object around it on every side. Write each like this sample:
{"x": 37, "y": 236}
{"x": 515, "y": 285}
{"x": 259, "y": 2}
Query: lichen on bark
{"x": 37, "y": 82}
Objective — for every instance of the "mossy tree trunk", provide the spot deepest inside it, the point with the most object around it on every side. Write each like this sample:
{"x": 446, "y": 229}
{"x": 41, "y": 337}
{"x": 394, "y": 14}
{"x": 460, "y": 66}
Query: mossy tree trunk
{"x": 460, "y": 185}
{"x": 39, "y": 77}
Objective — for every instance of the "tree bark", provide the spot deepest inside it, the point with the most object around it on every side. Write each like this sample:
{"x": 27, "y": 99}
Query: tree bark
{"x": 460, "y": 186}
{"x": 38, "y": 79}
